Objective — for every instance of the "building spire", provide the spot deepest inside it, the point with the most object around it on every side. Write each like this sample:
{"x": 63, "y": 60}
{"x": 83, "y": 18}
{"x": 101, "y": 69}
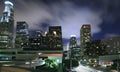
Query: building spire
{"x": 8, "y": 11}
{"x": 7, "y": 26}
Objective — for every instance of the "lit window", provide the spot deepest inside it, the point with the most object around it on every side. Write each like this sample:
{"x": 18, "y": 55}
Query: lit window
{"x": 84, "y": 26}
{"x": 45, "y": 33}
{"x": 21, "y": 43}
{"x": 54, "y": 32}
{"x": 38, "y": 43}
{"x": 97, "y": 47}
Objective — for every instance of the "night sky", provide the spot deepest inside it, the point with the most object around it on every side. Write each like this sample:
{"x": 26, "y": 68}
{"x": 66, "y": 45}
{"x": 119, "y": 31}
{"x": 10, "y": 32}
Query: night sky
{"x": 103, "y": 15}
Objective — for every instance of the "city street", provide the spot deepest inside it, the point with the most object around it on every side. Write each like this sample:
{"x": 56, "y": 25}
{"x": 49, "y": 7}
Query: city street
{"x": 82, "y": 68}
{"x": 13, "y": 69}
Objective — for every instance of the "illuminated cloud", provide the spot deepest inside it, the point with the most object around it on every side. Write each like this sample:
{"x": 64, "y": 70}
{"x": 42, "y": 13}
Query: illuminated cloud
{"x": 64, "y": 14}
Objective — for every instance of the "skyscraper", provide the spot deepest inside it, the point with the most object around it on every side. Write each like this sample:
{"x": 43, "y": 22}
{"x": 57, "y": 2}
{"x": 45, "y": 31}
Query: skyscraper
{"x": 73, "y": 41}
{"x": 55, "y": 37}
{"x": 74, "y": 49}
{"x": 7, "y": 26}
{"x": 38, "y": 42}
{"x": 112, "y": 44}
{"x": 22, "y": 35}
{"x": 85, "y": 37}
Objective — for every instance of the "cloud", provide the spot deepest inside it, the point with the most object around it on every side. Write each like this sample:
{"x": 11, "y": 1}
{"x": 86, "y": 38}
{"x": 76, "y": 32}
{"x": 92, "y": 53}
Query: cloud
{"x": 72, "y": 23}
{"x": 64, "y": 14}
{"x": 32, "y": 13}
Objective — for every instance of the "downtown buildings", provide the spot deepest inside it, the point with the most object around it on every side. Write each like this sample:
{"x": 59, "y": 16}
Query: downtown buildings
{"x": 102, "y": 52}
{"x": 51, "y": 41}
{"x": 16, "y": 43}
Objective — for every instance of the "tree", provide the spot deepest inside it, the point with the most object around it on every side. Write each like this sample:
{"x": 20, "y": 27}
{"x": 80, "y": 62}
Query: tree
{"x": 51, "y": 63}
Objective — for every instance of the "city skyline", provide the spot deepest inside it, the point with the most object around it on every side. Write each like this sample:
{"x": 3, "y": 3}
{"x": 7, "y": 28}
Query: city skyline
{"x": 39, "y": 14}
{"x": 59, "y": 36}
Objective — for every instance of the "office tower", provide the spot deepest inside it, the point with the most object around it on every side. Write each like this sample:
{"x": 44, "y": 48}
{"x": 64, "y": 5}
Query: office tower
{"x": 38, "y": 42}
{"x": 54, "y": 37}
{"x": 74, "y": 49}
{"x": 7, "y": 26}
{"x": 73, "y": 41}
{"x": 38, "y": 34}
{"x": 22, "y": 35}
{"x": 95, "y": 49}
{"x": 112, "y": 44}
{"x": 72, "y": 45}
{"x": 85, "y": 37}
{"x": 51, "y": 41}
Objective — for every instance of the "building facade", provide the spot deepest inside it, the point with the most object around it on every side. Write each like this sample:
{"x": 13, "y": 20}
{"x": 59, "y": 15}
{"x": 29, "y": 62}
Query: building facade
{"x": 95, "y": 49}
{"x": 22, "y": 35}
{"x": 112, "y": 44}
{"x": 7, "y": 26}
{"x": 73, "y": 41}
{"x": 51, "y": 41}
{"x": 54, "y": 37}
{"x": 85, "y": 37}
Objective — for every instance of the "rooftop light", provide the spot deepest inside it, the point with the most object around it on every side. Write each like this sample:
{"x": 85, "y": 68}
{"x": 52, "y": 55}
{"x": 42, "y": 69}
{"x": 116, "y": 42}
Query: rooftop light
{"x": 8, "y": 2}
{"x": 72, "y": 35}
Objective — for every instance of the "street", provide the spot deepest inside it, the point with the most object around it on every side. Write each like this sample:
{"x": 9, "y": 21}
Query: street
{"x": 82, "y": 68}
{"x": 13, "y": 69}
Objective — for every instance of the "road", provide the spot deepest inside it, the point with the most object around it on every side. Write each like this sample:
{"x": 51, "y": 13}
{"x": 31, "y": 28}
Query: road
{"x": 13, "y": 69}
{"x": 82, "y": 68}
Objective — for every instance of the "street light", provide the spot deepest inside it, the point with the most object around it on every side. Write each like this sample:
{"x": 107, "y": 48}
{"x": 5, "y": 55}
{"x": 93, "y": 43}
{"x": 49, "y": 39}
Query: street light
{"x": 39, "y": 53}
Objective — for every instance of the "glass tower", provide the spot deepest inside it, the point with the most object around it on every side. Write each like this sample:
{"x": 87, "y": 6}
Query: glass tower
{"x": 7, "y": 26}
{"x": 73, "y": 41}
{"x": 22, "y": 35}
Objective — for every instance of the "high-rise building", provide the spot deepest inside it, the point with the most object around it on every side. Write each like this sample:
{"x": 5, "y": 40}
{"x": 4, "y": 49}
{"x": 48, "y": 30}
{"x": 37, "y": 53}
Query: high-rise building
{"x": 95, "y": 49}
{"x": 54, "y": 37}
{"x": 74, "y": 49}
{"x": 51, "y": 41}
{"x": 22, "y": 35}
{"x": 85, "y": 37}
{"x": 112, "y": 44}
{"x": 38, "y": 42}
{"x": 7, "y": 26}
{"x": 73, "y": 41}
